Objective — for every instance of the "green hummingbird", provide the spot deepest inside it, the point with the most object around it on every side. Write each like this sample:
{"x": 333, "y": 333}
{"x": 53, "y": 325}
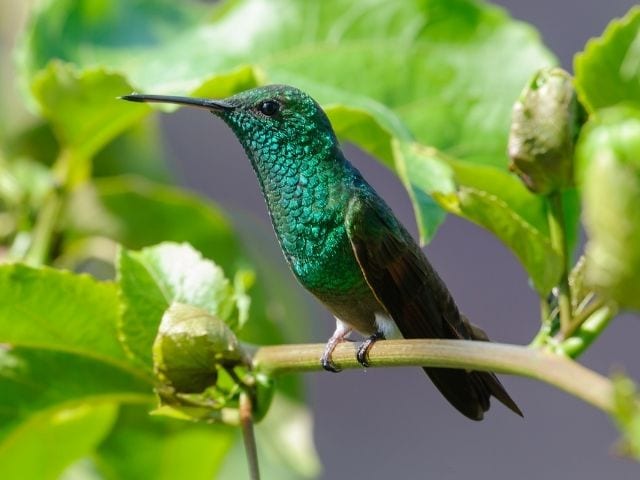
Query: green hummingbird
{"x": 341, "y": 240}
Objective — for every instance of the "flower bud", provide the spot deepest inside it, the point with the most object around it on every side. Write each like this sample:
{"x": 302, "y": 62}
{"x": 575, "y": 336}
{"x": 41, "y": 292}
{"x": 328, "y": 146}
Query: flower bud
{"x": 545, "y": 124}
{"x": 190, "y": 346}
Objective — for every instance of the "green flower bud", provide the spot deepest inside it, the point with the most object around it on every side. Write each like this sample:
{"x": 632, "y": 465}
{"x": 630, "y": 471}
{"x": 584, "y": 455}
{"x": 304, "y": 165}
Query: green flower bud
{"x": 189, "y": 348}
{"x": 545, "y": 124}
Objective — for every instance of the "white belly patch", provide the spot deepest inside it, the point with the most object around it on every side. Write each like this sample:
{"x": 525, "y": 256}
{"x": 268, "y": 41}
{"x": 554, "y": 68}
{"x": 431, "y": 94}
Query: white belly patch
{"x": 386, "y": 325}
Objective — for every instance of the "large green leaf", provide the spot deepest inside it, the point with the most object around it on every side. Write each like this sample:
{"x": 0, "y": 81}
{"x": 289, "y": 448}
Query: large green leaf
{"x": 608, "y": 71}
{"x": 155, "y": 277}
{"x": 36, "y": 381}
{"x": 609, "y": 157}
{"x": 57, "y": 310}
{"x": 450, "y": 74}
{"x": 138, "y": 213}
{"x": 496, "y": 200}
{"x": 48, "y": 442}
{"x": 61, "y": 347}
{"x": 143, "y": 446}
{"x": 83, "y": 111}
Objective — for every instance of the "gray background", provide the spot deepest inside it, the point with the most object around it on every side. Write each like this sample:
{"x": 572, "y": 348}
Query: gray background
{"x": 392, "y": 423}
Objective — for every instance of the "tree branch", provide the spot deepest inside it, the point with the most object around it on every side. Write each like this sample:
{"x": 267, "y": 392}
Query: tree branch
{"x": 561, "y": 372}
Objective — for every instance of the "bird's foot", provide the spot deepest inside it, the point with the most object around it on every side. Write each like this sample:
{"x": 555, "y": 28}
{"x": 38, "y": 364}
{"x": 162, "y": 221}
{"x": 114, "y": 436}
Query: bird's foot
{"x": 363, "y": 351}
{"x": 328, "y": 364}
{"x": 341, "y": 332}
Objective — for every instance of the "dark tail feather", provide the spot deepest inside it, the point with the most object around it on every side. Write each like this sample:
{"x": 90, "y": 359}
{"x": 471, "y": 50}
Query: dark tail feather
{"x": 470, "y": 392}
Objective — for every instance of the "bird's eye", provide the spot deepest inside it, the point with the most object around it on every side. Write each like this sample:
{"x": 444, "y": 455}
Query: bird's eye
{"x": 269, "y": 108}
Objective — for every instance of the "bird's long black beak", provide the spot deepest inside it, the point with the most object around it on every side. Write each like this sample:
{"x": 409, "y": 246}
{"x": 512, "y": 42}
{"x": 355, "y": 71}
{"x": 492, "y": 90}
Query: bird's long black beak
{"x": 212, "y": 105}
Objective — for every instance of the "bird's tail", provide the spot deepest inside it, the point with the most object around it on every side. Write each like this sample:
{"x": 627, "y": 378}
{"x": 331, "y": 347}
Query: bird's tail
{"x": 468, "y": 391}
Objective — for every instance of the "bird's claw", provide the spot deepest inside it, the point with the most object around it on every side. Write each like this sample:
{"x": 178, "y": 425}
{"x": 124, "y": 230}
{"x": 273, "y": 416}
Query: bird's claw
{"x": 328, "y": 364}
{"x": 363, "y": 351}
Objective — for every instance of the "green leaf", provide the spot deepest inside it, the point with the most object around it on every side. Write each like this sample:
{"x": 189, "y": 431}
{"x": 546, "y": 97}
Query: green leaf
{"x": 463, "y": 63}
{"x": 155, "y": 277}
{"x": 91, "y": 34}
{"x": 50, "y": 441}
{"x": 138, "y": 151}
{"x": 143, "y": 446}
{"x": 609, "y": 156}
{"x": 423, "y": 173}
{"x": 57, "y": 310}
{"x": 497, "y": 201}
{"x": 608, "y": 71}
{"x": 137, "y": 213}
{"x": 34, "y": 381}
{"x": 60, "y": 351}
{"x": 83, "y": 110}
{"x": 35, "y": 142}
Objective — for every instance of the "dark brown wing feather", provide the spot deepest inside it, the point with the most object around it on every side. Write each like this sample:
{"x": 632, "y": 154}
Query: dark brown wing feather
{"x": 408, "y": 287}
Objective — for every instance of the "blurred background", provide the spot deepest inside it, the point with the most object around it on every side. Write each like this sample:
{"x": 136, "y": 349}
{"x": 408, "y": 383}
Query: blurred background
{"x": 392, "y": 423}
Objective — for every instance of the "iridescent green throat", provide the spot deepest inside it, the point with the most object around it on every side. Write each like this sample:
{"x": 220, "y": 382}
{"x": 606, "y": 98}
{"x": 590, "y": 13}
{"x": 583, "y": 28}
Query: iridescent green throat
{"x": 307, "y": 184}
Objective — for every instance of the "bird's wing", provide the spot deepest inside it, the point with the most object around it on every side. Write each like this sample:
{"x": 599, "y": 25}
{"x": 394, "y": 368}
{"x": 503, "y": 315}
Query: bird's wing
{"x": 399, "y": 274}
{"x": 405, "y": 283}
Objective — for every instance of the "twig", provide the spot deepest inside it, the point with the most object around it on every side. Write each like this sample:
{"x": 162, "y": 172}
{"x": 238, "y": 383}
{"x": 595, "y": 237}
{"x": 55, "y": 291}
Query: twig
{"x": 555, "y": 370}
{"x": 246, "y": 422}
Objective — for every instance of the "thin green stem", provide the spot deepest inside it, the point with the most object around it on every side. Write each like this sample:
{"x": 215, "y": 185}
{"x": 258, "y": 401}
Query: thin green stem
{"x": 559, "y": 244}
{"x": 44, "y": 229}
{"x": 555, "y": 370}
{"x": 582, "y": 316}
{"x": 545, "y": 312}
{"x": 587, "y": 331}
{"x": 47, "y": 221}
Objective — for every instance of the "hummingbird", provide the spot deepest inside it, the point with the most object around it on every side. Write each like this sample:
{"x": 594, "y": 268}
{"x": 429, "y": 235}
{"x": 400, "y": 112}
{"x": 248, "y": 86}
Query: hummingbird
{"x": 341, "y": 240}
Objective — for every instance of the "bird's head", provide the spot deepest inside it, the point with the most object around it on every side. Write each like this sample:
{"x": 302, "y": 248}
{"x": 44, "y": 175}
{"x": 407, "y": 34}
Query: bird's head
{"x": 270, "y": 121}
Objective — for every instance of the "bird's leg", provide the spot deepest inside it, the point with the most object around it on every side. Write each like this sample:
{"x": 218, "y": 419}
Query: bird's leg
{"x": 363, "y": 351}
{"x": 341, "y": 331}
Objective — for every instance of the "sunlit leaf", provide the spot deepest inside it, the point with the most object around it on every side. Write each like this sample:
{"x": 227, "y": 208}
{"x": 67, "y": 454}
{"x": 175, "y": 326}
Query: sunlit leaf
{"x": 57, "y": 310}
{"x": 35, "y": 380}
{"x": 49, "y": 441}
{"x": 497, "y": 201}
{"x": 463, "y": 63}
{"x": 155, "y": 277}
{"x": 83, "y": 110}
{"x": 608, "y": 71}
{"x": 60, "y": 350}
{"x": 143, "y": 446}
